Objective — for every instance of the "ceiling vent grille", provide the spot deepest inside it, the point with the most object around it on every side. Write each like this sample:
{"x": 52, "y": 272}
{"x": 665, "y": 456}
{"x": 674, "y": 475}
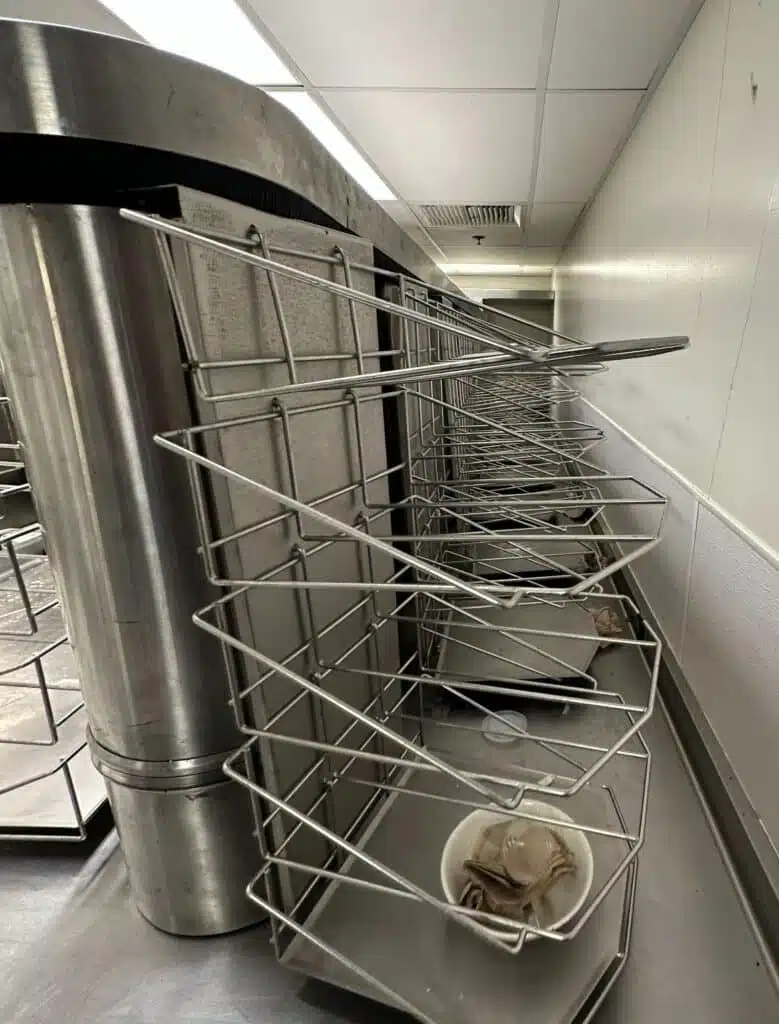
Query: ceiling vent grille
{"x": 470, "y": 215}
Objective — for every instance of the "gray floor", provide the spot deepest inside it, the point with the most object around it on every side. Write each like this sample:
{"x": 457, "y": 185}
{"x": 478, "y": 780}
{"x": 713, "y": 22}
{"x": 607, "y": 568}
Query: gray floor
{"x": 73, "y": 948}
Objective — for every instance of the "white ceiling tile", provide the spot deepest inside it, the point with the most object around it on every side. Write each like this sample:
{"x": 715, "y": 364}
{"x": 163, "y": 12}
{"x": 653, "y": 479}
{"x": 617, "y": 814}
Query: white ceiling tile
{"x": 551, "y": 223}
{"x": 500, "y": 236}
{"x": 468, "y": 252}
{"x": 515, "y": 288}
{"x": 526, "y": 258}
{"x": 580, "y": 133}
{"x": 443, "y": 147}
{"x": 613, "y": 44}
{"x": 465, "y": 252}
{"x": 504, "y": 288}
{"x": 410, "y": 43}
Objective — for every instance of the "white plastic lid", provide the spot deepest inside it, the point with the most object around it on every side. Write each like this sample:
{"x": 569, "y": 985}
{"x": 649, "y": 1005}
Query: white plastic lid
{"x": 496, "y": 731}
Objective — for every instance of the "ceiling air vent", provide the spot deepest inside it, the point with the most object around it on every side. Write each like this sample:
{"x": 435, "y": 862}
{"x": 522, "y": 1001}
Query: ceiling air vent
{"x": 470, "y": 215}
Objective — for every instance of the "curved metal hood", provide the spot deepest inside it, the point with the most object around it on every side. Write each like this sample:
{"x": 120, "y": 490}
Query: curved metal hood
{"x": 73, "y": 85}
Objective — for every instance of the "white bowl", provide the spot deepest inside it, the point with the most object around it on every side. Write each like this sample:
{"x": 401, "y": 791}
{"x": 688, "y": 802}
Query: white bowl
{"x": 565, "y": 899}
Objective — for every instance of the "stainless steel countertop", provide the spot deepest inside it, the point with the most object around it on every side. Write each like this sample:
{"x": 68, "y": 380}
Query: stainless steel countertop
{"x": 73, "y": 948}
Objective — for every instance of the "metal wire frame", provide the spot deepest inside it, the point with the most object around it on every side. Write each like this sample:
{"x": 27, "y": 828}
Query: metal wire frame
{"x": 335, "y": 762}
{"x": 64, "y": 768}
{"x": 11, "y": 465}
{"x": 54, "y": 722}
{"x": 301, "y": 561}
{"x": 10, "y": 449}
{"x": 15, "y": 582}
{"x": 489, "y": 453}
{"x": 492, "y": 476}
{"x": 31, "y": 598}
{"x": 433, "y": 501}
{"x": 412, "y": 760}
{"x": 524, "y": 438}
{"x": 406, "y": 888}
{"x": 319, "y": 671}
{"x": 511, "y": 524}
{"x": 594, "y": 999}
{"x": 504, "y": 675}
{"x": 37, "y": 658}
{"x": 438, "y": 335}
{"x": 16, "y": 579}
{"x": 494, "y": 346}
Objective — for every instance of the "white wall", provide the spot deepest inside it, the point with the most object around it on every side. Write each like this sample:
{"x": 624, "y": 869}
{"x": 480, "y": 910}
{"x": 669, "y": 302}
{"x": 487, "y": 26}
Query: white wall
{"x": 684, "y": 239}
{"x": 481, "y": 284}
{"x": 78, "y": 13}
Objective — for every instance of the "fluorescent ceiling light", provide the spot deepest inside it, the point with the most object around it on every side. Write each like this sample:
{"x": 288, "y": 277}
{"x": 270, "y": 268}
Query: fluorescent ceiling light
{"x": 333, "y": 139}
{"x": 467, "y": 269}
{"x": 213, "y": 32}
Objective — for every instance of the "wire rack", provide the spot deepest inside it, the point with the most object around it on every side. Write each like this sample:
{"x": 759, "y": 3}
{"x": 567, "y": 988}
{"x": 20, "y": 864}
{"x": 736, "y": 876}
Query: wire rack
{"x": 418, "y": 540}
{"x": 48, "y": 789}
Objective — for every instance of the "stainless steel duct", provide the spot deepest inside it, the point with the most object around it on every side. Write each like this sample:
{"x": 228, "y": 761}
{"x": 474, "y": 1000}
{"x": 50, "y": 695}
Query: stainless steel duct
{"x": 92, "y": 367}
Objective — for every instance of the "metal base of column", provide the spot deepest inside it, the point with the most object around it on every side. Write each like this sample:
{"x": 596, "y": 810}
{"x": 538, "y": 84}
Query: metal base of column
{"x": 161, "y": 808}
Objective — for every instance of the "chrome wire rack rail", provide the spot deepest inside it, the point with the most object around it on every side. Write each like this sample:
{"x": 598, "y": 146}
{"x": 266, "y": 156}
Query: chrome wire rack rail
{"x": 389, "y": 747}
{"x": 494, "y": 346}
{"x": 533, "y": 490}
{"x": 48, "y": 789}
{"x": 409, "y": 535}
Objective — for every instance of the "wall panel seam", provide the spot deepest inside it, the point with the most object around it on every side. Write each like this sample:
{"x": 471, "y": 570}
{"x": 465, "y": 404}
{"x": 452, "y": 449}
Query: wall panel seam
{"x": 756, "y": 543}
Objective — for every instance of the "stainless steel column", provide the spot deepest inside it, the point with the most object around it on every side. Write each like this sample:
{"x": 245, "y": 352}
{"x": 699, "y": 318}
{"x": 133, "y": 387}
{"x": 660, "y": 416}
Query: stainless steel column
{"x": 92, "y": 367}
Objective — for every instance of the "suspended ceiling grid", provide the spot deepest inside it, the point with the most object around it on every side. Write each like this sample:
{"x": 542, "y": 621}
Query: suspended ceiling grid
{"x": 497, "y": 101}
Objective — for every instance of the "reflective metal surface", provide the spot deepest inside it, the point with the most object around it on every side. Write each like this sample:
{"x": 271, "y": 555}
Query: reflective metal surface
{"x": 92, "y": 367}
{"x": 193, "y": 882}
{"x": 66, "y": 83}
{"x": 73, "y": 948}
{"x": 91, "y": 361}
